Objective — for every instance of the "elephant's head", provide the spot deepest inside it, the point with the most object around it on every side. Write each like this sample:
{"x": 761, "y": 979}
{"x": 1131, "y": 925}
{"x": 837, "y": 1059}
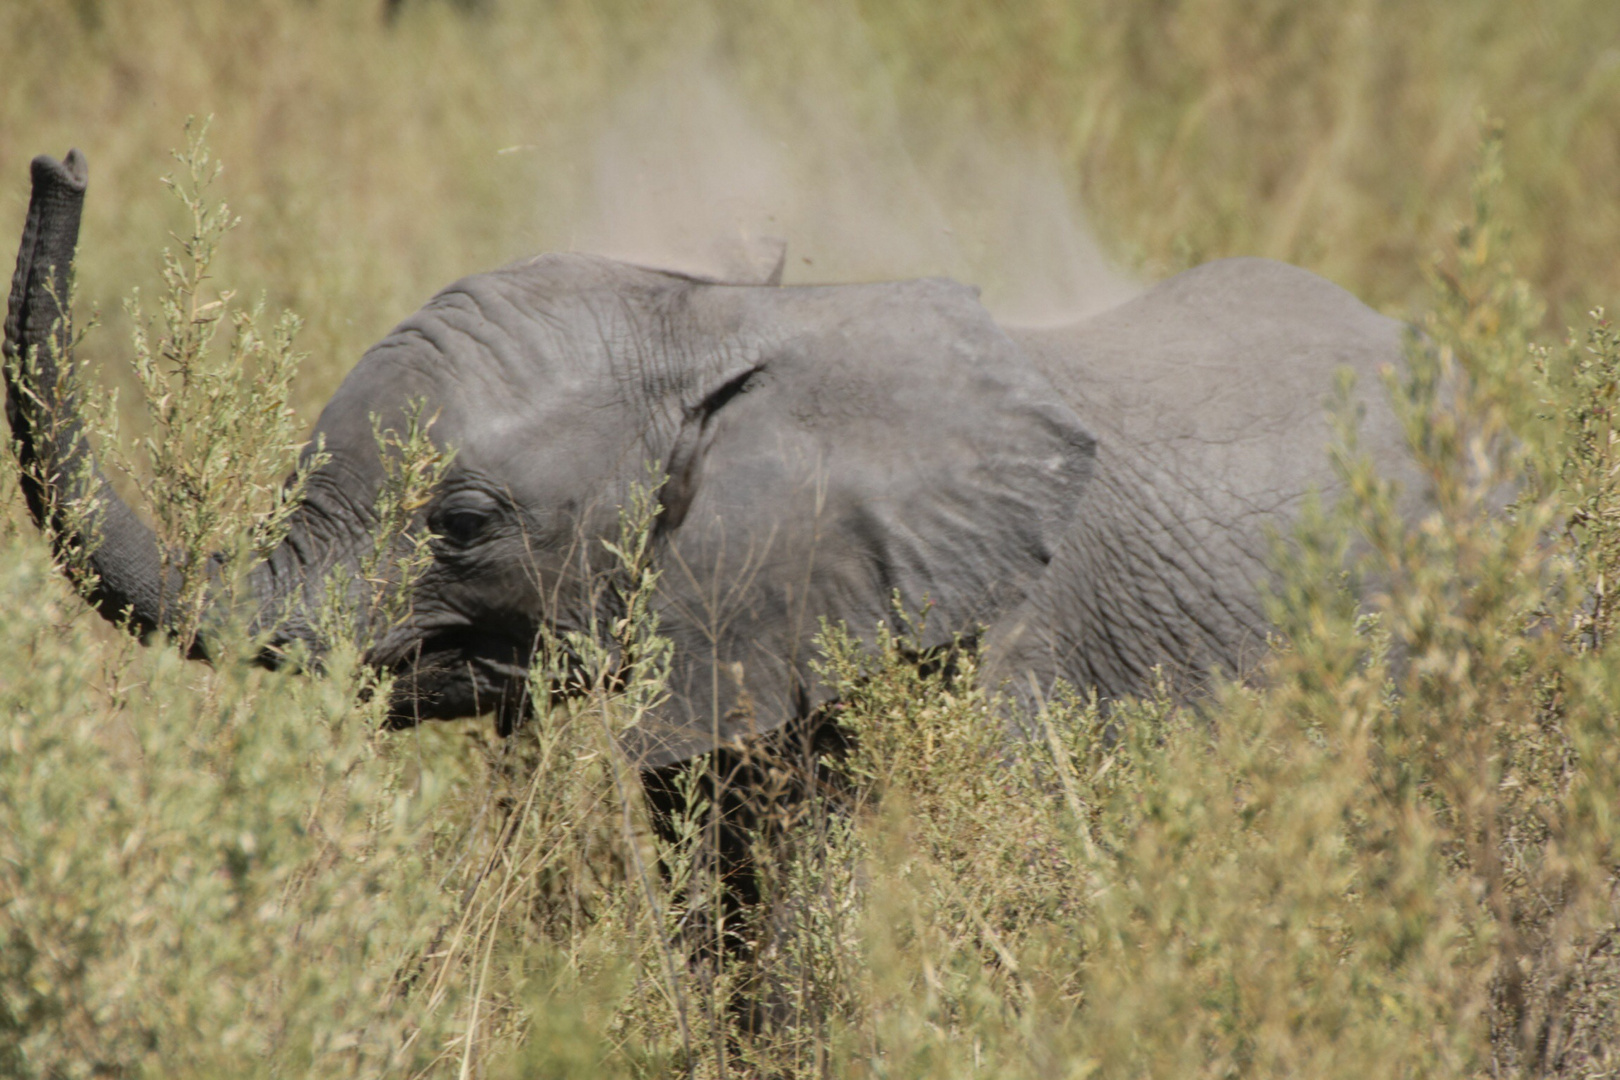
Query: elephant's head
{"x": 824, "y": 449}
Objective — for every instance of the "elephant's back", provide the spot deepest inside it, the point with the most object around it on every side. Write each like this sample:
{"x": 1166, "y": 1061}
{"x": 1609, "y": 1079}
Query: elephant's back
{"x": 1227, "y": 372}
{"x": 1209, "y": 396}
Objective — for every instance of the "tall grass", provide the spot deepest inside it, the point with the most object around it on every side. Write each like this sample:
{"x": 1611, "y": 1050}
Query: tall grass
{"x": 1394, "y": 855}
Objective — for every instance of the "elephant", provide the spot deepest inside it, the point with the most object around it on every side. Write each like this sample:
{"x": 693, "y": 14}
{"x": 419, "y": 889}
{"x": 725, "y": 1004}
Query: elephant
{"x": 1087, "y": 502}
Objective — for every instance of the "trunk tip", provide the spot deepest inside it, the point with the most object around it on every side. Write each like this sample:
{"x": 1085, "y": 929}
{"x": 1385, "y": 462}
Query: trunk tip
{"x": 72, "y": 172}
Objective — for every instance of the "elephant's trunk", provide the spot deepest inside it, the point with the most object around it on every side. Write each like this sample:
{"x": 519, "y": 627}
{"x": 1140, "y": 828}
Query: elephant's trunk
{"x": 70, "y": 499}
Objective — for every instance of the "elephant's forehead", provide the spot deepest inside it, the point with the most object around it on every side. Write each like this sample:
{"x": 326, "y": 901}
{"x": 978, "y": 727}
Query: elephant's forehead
{"x": 533, "y": 448}
{"x": 487, "y": 389}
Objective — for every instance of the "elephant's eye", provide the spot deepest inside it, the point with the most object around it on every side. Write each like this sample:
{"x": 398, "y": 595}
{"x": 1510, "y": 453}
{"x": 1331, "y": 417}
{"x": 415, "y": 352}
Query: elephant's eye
{"x": 464, "y": 519}
{"x": 462, "y": 526}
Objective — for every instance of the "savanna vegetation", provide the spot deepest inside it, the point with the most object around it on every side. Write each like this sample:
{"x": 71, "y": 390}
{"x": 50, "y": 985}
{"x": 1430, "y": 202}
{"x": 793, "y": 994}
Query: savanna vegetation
{"x": 1393, "y": 854}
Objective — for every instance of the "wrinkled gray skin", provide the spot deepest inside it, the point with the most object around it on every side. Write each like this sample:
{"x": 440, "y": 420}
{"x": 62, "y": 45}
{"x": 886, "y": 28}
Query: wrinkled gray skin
{"x": 1097, "y": 495}
{"x": 1209, "y": 399}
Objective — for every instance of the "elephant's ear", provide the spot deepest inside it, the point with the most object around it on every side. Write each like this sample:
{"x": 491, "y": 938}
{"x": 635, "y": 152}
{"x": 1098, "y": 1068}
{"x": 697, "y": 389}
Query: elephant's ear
{"x": 861, "y": 443}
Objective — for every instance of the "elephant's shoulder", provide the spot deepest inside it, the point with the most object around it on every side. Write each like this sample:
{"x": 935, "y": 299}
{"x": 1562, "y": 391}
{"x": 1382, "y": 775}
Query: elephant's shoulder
{"x": 1231, "y": 320}
{"x": 936, "y": 296}
{"x": 1248, "y": 276}
{"x": 1247, "y": 289}
{"x": 1225, "y": 373}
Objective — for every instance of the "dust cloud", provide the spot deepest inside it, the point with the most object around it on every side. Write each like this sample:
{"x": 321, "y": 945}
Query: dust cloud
{"x": 690, "y": 173}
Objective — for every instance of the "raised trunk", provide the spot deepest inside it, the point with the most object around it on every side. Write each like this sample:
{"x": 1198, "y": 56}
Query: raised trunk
{"x": 70, "y": 499}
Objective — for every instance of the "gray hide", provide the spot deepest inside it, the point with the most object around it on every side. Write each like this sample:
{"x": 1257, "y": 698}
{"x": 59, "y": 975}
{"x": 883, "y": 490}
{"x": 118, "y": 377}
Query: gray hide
{"x": 826, "y": 450}
{"x": 1209, "y": 399}
{"x": 1097, "y": 496}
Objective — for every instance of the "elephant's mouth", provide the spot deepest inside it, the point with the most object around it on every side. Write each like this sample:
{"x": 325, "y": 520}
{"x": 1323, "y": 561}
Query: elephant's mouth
{"x": 455, "y": 674}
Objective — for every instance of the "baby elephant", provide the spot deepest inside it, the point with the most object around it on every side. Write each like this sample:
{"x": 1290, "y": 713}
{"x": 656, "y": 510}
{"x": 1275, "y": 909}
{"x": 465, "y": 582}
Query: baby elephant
{"x": 1095, "y": 498}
